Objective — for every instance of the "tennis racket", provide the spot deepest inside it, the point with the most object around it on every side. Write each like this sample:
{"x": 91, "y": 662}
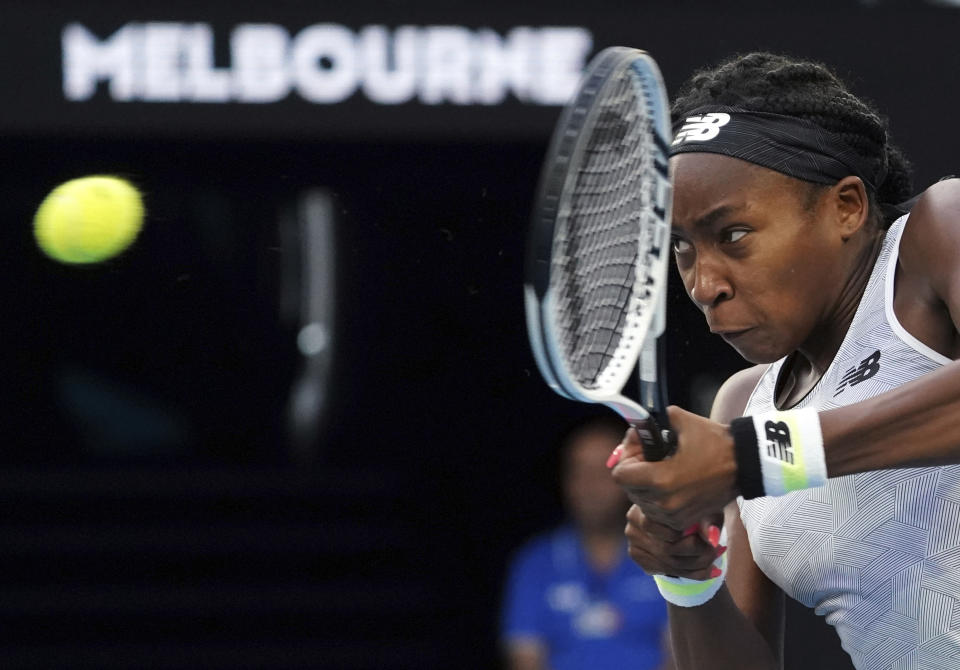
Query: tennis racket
{"x": 596, "y": 274}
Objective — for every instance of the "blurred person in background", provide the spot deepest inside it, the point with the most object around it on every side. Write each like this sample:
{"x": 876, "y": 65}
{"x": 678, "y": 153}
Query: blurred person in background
{"x": 574, "y": 599}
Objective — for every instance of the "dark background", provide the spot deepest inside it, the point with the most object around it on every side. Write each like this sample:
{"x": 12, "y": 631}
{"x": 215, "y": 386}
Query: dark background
{"x": 152, "y": 510}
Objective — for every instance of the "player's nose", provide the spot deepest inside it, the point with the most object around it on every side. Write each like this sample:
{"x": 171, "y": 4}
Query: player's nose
{"x": 709, "y": 284}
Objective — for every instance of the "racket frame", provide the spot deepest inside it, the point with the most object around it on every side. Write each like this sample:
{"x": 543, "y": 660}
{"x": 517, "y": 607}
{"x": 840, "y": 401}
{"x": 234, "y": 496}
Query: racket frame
{"x": 641, "y": 338}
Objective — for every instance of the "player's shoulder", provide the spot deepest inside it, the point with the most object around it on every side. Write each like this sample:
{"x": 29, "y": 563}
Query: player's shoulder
{"x": 931, "y": 236}
{"x": 731, "y": 399}
{"x": 945, "y": 192}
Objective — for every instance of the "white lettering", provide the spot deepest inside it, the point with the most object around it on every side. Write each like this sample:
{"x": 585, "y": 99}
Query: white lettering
{"x": 447, "y": 49}
{"x": 390, "y": 75}
{"x": 259, "y": 53}
{"x": 86, "y": 61}
{"x": 326, "y": 63}
{"x": 203, "y": 82}
{"x": 559, "y": 60}
{"x": 161, "y": 62}
{"x": 499, "y": 66}
{"x": 516, "y": 65}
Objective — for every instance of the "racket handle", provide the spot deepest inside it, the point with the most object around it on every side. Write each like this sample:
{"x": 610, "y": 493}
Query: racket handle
{"x": 658, "y": 443}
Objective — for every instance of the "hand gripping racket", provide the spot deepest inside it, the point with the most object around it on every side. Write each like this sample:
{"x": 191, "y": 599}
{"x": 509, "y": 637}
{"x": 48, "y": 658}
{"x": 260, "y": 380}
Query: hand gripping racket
{"x": 596, "y": 274}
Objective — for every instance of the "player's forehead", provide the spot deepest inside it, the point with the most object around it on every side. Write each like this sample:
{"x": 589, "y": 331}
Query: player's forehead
{"x": 708, "y": 185}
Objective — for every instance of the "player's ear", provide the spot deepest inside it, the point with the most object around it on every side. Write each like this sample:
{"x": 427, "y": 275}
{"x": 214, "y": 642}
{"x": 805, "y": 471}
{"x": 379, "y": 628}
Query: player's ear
{"x": 850, "y": 205}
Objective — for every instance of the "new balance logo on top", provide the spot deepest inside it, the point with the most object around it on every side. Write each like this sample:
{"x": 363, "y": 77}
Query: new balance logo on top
{"x": 778, "y": 441}
{"x": 868, "y": 367}
{"x": 701, "y": 128}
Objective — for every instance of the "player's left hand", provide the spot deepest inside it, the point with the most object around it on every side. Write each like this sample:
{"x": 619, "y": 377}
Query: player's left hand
{"x": 696, "y": 481}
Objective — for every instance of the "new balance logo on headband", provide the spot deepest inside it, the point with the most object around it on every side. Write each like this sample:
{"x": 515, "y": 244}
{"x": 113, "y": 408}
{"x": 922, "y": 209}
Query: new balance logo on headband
{"x": 701, "y": 128}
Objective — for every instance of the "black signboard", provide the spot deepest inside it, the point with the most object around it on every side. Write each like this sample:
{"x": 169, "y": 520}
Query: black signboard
{"x": 388, "y": 70}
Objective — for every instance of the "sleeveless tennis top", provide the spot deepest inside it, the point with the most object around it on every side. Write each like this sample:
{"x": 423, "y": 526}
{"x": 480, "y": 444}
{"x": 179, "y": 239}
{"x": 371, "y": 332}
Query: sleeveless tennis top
{"x": 876, "y": 553}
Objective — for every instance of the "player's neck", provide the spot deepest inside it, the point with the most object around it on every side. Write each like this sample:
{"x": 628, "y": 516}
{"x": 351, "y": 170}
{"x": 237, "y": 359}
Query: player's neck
{"x": 820, "y": 348}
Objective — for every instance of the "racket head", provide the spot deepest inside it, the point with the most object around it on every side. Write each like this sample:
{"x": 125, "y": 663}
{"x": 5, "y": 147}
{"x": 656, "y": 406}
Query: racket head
{"x": 599, "y": 237}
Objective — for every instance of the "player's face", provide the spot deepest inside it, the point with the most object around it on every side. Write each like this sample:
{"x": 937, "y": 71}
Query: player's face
{"x": 756, "y": 256}
{"x": 593, "y": 499}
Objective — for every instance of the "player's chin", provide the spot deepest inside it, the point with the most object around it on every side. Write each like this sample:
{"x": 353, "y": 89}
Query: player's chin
{"x": 755, "y": 347}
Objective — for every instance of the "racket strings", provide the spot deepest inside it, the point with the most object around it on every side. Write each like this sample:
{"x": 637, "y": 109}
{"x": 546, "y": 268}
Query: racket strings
{"x": 595, "y": 264}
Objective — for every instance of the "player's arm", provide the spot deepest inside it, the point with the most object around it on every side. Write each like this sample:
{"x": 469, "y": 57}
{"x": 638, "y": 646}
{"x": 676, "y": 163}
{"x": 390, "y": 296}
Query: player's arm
{"x": 917, "y": 423}
{"x": 666, "y": 651}
{"x": 742, "y": 625}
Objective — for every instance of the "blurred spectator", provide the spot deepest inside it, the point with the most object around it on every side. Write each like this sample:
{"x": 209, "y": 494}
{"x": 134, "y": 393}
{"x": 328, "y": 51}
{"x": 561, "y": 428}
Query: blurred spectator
{"x": 574, "y": 600}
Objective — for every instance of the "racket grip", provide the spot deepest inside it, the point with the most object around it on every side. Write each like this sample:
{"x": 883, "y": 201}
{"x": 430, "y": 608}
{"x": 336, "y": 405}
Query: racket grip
{"x": 658, "y": 443}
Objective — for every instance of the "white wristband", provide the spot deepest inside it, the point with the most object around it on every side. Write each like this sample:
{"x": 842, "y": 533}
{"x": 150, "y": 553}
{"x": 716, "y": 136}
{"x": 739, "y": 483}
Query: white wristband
{"x": 692, "y": 592}
{"x": 779, "y": 452}
{"x": 791, "y": 450}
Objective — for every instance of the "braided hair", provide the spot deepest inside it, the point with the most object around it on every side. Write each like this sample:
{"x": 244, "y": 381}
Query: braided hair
{"x": 766, "y": 82}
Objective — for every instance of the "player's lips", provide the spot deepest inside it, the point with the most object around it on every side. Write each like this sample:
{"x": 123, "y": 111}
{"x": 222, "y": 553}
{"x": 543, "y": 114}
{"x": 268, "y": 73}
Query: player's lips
{"x": 730, "y": 333}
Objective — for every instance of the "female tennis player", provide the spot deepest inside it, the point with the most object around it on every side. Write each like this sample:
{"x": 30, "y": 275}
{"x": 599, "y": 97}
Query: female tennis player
{"x": 834, "y": 459}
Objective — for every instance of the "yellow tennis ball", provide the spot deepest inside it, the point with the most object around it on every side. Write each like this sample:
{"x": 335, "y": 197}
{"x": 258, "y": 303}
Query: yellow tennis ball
{"x": 88, "y": 220}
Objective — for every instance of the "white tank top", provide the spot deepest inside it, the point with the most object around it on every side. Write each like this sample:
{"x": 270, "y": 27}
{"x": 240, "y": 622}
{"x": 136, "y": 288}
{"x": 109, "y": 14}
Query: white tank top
{"x": 877, "y": 553}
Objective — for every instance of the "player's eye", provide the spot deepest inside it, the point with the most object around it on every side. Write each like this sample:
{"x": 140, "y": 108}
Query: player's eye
{"x": 731, "y": 235}
{"x": 680, "y": 245}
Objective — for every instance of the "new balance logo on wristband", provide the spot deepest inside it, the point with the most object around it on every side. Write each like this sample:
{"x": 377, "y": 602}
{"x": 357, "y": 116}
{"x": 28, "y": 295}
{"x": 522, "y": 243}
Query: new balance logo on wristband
{"x": 778, "y": 441}
{"x": 778, "y": 452}
{"x": 701, "y": 128}
{"x": 868, "y": 367}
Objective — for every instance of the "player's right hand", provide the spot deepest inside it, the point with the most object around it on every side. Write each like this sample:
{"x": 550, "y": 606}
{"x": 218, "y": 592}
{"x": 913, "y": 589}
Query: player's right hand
{"x": 661, "y": 550}
{"x": 695, "y": 481}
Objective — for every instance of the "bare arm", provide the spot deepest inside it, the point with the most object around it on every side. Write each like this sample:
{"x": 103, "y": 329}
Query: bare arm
{"x": 917, "y": 423}
{"x": 666, "y": 650}
{"x": 741, "y": 627}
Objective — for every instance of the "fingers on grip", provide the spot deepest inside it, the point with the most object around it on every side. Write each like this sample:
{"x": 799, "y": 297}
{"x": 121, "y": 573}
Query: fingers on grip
{"x": 658, "y": 442}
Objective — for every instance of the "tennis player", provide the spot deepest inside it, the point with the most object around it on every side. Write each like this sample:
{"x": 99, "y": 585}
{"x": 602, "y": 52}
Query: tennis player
{"x": 834, "y": 459}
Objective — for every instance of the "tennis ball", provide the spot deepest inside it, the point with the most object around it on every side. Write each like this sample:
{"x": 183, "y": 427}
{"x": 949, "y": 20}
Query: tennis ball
{"x": 88, "y": 220}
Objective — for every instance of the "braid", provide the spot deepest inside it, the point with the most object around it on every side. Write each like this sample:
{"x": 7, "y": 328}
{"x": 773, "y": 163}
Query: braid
{"x": 766, "y": 82}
